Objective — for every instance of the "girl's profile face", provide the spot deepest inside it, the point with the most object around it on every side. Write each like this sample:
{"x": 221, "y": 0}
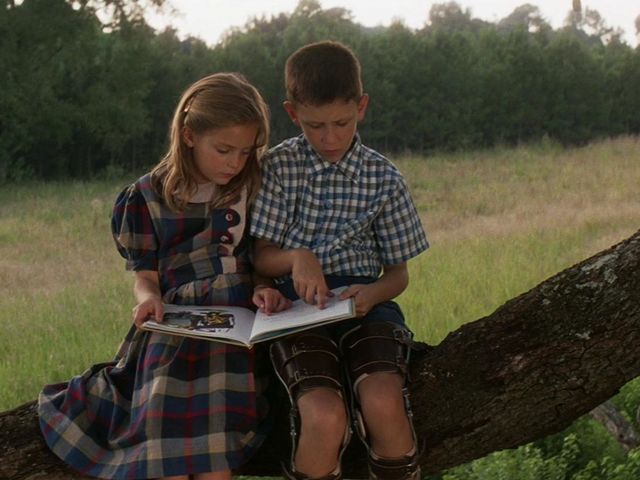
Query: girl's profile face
{"x": 221, "y": 154}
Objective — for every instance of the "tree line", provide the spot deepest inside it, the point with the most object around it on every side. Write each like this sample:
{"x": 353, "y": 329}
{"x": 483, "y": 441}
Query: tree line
{"x": 81, "y": 97}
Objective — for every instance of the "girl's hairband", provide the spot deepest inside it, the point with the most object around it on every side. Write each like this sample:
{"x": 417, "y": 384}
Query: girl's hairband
{"x": 187, "y": 106}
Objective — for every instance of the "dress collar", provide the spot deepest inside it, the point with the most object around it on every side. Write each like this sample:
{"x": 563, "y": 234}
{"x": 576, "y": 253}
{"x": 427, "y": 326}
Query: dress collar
{"x": 204, "y": 193}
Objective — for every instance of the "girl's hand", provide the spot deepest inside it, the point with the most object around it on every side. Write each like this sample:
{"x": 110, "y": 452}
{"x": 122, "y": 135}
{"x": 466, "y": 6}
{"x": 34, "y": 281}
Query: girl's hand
{"x": 364, "y": 296}
{"x": 151, "y": 307}
{"x": 308, "y": 279}
{"x": 269, "y": 300}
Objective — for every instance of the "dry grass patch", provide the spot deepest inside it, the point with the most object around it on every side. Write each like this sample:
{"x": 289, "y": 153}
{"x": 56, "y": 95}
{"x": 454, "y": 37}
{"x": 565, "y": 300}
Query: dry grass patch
{"x": 527, "y": 189}
{"x": 55, "y": 236}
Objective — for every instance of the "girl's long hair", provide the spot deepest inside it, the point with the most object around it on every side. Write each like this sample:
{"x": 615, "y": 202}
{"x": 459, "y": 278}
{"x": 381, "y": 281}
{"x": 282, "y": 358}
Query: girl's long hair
{"x": 217, "y": 101}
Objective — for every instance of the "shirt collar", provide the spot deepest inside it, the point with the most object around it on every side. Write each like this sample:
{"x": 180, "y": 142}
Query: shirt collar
{"x": 349, "y": 165}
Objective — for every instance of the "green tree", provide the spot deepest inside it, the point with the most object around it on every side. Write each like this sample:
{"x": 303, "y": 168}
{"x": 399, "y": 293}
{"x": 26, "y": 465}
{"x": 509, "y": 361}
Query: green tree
{"x": 451, "y": 17}
{"x": 80, "y": 95}
{"x": 451, "y": 83}
{"x": 111, "y": 102}
{"x": 172, "y": 65}
{"x": 525, "y": 16}
{"x": 512, "y": 89}
{"x": 574, "y": 91}
{"x": 118, "y": 11}
{"x": 392, "y": 78}
{"x": 46, "y": 47}
{"x": 621, "y": 66}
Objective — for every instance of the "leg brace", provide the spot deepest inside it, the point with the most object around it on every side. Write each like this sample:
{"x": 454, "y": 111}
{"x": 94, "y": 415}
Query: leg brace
{"x": 380, "y": 347}
{"x": 304, "y": 362}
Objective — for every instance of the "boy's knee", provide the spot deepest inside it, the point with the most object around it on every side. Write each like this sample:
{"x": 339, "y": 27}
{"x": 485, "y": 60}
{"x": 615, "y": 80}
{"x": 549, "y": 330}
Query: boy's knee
{"x": 323, "y": 412}
{"x": 381, "y": 397}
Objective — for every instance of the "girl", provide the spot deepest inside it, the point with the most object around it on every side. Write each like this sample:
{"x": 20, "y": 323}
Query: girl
{"x": 174, "y": 407}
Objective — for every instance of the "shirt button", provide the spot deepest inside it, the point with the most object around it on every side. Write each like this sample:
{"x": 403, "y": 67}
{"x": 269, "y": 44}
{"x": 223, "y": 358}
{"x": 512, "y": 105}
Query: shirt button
{"x": 328, "y": 204}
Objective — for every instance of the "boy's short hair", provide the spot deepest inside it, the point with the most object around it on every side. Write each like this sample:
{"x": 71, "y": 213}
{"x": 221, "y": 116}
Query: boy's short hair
{"x": 322, "y": 72}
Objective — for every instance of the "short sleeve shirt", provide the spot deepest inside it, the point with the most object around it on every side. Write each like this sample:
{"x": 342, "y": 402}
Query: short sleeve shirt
{"x": 356, "y": 215}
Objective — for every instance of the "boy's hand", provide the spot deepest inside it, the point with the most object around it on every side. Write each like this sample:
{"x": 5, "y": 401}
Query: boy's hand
{"x": 270, "y": 300}
{"x": 392, "y": 283}
{"x": 364, "y": 297}
{"x": 308, "y": 279}
{"x": 151, "y": 307}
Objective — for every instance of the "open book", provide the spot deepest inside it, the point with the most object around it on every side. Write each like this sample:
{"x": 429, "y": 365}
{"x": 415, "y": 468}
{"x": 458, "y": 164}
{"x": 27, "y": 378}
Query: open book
{"x": 241, "y": 326}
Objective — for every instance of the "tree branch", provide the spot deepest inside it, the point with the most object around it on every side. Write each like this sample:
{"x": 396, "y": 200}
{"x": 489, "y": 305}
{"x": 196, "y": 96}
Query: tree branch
{"x": 618, "y": 426}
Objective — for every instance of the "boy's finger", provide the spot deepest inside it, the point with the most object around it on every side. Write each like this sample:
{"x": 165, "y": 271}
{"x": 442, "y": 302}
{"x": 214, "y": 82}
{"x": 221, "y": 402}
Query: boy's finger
{"x": 300, "y": 290}
{"x": 349, "y": 292}
{"x": 308, "y": 295}
{"x": 321, "y": 298}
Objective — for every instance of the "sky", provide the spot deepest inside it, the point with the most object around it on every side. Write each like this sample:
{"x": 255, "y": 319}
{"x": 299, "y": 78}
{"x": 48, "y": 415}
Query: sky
{"x": 209, "y": 19}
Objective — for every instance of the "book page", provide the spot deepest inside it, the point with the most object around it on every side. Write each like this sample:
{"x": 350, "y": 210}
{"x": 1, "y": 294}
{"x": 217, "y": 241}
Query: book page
{"x": 302, "y": 314}
{"x": 231, "y": 324}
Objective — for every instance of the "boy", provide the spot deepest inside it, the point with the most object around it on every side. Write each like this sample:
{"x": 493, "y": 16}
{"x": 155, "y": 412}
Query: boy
{"x": 332, "y": 212}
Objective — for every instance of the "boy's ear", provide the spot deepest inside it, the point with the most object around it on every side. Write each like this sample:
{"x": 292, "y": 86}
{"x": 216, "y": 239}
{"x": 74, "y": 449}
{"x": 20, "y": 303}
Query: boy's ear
{"x": 187, "y": 136}
{"x": 291, "y": 111}
{"x": 362, "y": 106}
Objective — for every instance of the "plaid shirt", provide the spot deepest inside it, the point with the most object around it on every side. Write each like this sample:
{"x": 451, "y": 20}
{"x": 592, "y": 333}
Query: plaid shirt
{"x": 355, "y": 215}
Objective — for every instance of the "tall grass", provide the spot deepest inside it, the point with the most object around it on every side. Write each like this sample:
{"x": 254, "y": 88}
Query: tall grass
{"x": 503, "y": 220}
{"x": 65, "y": 298}
{"x": 499, "y": 221}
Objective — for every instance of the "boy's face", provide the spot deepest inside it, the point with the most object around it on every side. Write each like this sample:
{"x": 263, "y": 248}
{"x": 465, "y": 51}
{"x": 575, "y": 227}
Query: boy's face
{"x": 329, "y": 128}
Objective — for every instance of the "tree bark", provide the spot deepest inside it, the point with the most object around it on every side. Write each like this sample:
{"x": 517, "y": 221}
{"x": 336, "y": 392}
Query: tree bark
{"x": 527, "y": 370}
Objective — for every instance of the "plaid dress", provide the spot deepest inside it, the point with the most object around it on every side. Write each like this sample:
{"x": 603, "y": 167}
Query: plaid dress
{"x": 167, "y": 405}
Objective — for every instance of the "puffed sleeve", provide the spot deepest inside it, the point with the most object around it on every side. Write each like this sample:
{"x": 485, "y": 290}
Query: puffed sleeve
{"x": 133, "y": 232}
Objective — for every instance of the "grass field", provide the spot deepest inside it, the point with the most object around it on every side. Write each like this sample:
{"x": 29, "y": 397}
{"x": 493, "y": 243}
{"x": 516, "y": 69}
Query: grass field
{"x": 499, "y": 222}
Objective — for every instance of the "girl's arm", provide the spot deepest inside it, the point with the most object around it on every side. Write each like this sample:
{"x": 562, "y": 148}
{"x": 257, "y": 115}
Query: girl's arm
{"x": 266, "y": 297}
{"x": 392, "y": 282}
{"x": 146, "y": 290}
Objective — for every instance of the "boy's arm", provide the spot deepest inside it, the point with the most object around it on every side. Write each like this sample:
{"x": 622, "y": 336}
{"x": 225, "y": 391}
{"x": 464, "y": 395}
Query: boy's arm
{"x": 389, "y": 285}
{"x": 302, "y": 264}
